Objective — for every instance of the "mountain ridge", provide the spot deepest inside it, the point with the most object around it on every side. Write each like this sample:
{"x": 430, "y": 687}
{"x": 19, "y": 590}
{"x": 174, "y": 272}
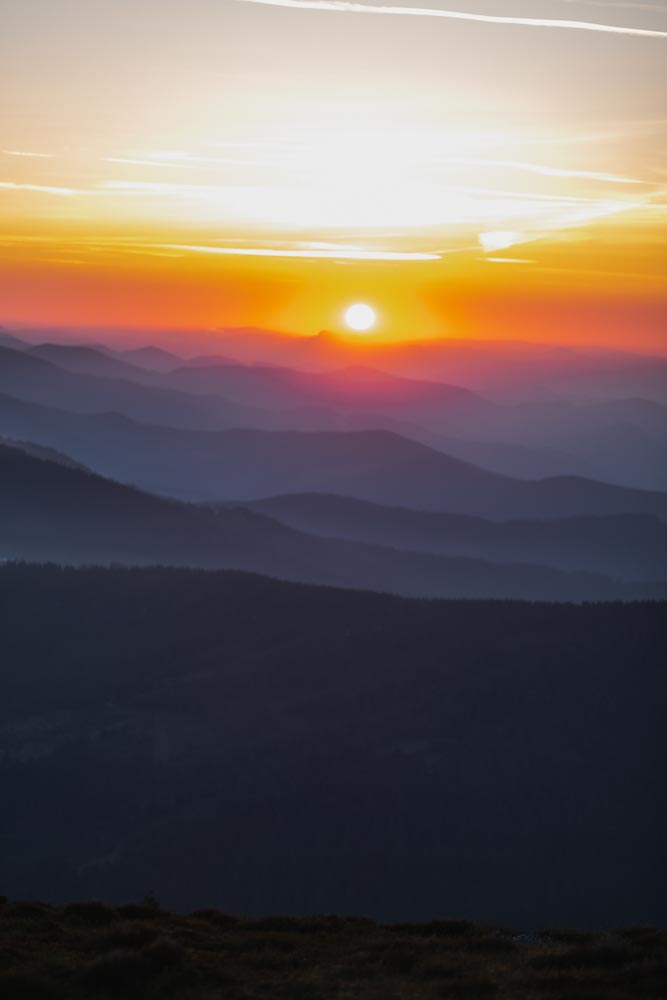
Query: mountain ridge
{"x": 249, "y": 464}
{"x": 54, "y": 512}
{"x": 625, "y": 545}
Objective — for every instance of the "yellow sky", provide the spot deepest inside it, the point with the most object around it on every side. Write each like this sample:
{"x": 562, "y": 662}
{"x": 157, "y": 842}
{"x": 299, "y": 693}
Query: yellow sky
{"x": 234, "y": 162}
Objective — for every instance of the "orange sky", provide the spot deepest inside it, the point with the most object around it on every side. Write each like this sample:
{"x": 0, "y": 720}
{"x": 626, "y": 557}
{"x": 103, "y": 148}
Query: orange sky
{"x": 210, "y": 165}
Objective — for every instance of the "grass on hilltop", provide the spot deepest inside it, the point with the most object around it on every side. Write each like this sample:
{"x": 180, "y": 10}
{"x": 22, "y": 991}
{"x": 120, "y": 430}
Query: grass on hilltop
{"x": 90, "y": 949}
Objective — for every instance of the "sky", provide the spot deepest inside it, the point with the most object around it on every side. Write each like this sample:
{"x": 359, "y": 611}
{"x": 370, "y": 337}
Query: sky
{"x": 493, "y": 168}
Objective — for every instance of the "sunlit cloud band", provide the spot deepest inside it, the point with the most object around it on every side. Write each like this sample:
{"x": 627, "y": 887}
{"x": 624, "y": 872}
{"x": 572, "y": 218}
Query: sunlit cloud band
{"x": 23, "y": 152}
{"x": 39, "y": 188}
{"x": 337, "y": 253}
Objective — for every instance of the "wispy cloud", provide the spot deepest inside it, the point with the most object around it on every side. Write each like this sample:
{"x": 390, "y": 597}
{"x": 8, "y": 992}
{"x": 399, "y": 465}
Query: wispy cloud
{"x": 538, "y": 168}
{"x": 23, "y": 152}
{"x": 290, "y": 249}
{"x": 161, "y": 188}
{"x": 180, "y": 156}
{"x": 307, "y": 253}
{"x": 350, "y": 7}
{"x": 141, "y": 163}
{"x": 183, "y": 159}
{"x": 39, "y": 188}
{"x": 330, "y": 207}
{"x": 508, "y": 260}
{"x": 500, "y": 239}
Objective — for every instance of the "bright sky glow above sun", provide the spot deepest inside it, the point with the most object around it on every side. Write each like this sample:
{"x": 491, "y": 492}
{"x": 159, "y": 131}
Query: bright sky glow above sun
{"x": 264, "y": 162}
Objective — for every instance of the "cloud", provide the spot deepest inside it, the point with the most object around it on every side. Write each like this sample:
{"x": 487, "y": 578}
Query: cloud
{"x": 179, "y": 156}
{"x": 537, "y": 168}
{"x": 296, "y": 249}
{"x": 308, "y": 252}
{"x": 500, "y": 239}
{"x": 363, "y": 207}
{"x": 183, "y": 159}
{"x": 140, "y": 163}
{"x": 350, "y": 7}
{"x": 22, "y": 152}
{"x": 159, "y": 188}
{"x": 40, "y": 188}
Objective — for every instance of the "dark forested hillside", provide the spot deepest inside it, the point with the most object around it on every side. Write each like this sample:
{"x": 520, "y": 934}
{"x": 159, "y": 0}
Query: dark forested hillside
{"x": 229, "y": 740}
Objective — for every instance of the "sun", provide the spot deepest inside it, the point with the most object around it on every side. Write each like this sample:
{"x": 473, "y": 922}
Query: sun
{"x": 360, "y": 317}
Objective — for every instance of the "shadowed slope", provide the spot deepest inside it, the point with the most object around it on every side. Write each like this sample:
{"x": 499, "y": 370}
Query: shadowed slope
{"x": 51, "y": 512}
{"x": 378, "y": 466}
{"x": 629, "y": 545}
{"x": 87, "y": 360}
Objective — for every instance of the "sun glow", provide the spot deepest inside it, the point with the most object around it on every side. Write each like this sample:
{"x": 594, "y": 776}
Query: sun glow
{"x": 360, "y": 317}
{"x": 466, "y": 196}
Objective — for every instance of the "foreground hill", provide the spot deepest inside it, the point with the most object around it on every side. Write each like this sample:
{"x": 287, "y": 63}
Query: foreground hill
{"x": 89, "y": 949}
{"x": 378, "y": 466}
{"x": 50, "y": 510}
{"x": 229, "y": 740}
{"x": 627, "y": 545}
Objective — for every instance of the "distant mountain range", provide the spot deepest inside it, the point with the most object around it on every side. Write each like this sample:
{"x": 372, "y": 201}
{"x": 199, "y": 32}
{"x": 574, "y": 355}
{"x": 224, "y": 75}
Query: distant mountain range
{"x": 631, "y": 546}
{"x": 50, "y": 510}
{"x": 619, "y": 440}
{"x": 500, "y": 368}
{"x": 35, "y": 379}
{"x": 249, "y": 464}
{"x": 91, "y": 361}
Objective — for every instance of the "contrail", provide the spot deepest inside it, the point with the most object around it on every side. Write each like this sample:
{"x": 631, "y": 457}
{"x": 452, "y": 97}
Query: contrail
{"x": 350, "y": 7}
{"x": 654, "y": 8}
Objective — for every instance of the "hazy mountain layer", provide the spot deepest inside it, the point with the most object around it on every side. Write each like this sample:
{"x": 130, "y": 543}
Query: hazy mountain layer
{"x": 509, "y": 369}
{"x": 247, "y": 465}
{"x": 620, "y": 440}
{"x": 626, "y": 545}
{"x": 37, "y": 380}
{"x": 49, "y": 511}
